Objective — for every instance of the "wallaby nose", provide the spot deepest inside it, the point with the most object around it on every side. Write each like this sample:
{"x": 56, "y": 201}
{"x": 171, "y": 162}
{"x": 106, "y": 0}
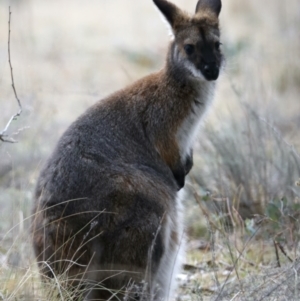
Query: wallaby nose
{"x": 211, "y": 71}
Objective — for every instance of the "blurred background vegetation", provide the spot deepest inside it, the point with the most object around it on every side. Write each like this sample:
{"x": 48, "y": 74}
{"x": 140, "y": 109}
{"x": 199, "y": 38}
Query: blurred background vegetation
{"x": 68, "y": 54}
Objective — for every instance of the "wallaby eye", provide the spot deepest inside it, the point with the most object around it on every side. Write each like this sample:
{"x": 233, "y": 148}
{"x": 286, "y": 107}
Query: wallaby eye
{"x": 217, "y": 45}
{"x": 189, "y": 49}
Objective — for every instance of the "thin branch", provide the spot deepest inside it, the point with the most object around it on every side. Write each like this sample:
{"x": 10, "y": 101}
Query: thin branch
{"x": 277, "y": 255}
{"x": 3, "y": 135}
{"x": 281, "y": 248}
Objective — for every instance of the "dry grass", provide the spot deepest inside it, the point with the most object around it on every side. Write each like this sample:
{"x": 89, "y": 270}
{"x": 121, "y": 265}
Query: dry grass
{"x": 67, "y": 55}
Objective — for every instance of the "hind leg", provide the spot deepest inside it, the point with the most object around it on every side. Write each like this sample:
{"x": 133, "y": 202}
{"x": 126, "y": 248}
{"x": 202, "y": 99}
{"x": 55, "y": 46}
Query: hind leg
{"x": 128, "y": 265}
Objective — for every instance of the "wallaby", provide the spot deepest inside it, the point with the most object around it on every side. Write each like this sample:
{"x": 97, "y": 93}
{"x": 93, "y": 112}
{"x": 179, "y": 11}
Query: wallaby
{"x": 107, "y": 216}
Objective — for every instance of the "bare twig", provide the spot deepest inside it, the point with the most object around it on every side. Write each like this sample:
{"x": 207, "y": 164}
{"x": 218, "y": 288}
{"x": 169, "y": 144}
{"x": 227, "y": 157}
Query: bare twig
{"x": 3, "y": 135}
{"x": 281, "y": 248}
{"x": 276, "y": 252}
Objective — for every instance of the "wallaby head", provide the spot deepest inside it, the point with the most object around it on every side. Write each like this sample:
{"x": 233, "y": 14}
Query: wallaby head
{"x": 196, "y": 45}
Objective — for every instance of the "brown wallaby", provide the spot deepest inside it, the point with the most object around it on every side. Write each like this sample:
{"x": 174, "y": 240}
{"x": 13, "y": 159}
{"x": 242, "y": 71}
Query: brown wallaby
{"x": 107, "y": 212}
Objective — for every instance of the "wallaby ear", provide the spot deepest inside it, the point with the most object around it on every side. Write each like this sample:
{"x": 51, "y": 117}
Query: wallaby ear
{"x": 213, "y": 5}
{"x": 169, "y": 10}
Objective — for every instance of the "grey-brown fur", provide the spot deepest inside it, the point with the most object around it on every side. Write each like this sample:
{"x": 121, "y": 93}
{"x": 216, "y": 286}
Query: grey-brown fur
{"x": 106, "y": 213}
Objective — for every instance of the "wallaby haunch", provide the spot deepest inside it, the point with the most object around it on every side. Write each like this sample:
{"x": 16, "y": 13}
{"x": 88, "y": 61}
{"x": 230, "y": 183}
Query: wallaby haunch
{"x": 107, "y": 213}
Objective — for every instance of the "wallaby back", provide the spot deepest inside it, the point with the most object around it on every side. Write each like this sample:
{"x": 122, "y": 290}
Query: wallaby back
{"x": 107, "y": 212}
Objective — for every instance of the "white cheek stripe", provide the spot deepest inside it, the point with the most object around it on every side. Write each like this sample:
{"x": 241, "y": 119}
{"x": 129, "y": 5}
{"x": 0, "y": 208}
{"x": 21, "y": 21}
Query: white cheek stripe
{"x": 195, "y": 72}
{"x": 175, "y": 53}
